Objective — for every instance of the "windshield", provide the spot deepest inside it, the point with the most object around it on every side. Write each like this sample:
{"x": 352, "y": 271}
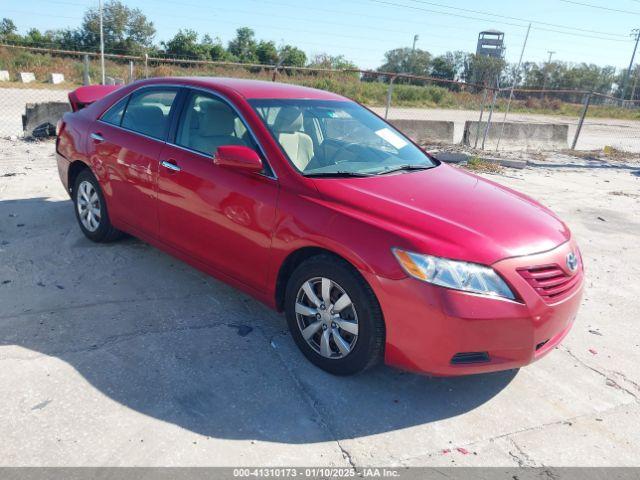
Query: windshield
{"x": 324, "y": 138}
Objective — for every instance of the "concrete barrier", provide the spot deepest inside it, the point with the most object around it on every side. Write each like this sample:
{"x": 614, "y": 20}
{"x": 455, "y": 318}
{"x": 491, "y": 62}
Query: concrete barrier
{"x": 425, "y": 131}
{"x": 26, "y": 77}
{"x": 56, "y": 78}
{"x": 518, "y": 135}
{"x": 113, "y": 81}
{"x": 4, "y": 76}
{"x": 39, "y": 119}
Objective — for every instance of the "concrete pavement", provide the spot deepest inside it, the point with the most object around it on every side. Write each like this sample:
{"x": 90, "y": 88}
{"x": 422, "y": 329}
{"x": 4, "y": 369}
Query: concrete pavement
{"x": 121, "y": 355}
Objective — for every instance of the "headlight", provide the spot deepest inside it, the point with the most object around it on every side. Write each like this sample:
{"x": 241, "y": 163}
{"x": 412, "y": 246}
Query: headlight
{"x": 468, "y": 277}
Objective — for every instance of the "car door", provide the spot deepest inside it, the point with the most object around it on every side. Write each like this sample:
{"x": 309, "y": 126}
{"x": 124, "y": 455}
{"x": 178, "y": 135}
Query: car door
{"x": 218, "y": 215}
{"x": 124, "y": 146}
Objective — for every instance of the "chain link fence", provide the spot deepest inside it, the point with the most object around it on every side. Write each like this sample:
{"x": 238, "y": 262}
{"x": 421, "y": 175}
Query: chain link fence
{"x": 435, "y": 112}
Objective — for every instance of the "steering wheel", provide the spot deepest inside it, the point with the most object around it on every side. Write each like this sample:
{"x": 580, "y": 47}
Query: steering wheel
{"x": 342, "y": 147}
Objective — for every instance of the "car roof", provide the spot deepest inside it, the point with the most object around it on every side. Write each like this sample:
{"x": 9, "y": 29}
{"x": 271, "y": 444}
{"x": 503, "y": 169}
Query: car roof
{"x": 256, "y": 88}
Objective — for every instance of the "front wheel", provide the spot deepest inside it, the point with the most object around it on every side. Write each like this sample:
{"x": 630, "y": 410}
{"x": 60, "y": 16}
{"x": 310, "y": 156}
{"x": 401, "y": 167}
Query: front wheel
{"x": 334, "y": 316}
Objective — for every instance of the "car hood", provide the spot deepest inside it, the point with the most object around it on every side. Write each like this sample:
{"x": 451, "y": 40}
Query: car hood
{"x": 448, "y": 212}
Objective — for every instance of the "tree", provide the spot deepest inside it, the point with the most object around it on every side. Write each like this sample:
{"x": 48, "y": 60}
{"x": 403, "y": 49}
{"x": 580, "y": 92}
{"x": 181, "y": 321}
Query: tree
{"x": 267, "y": 53}
{"x": 38, "y": 39}
{"x": 7, "y": 29}
{"x": 407, "y": 60}
{"x": 441, "y": 67}
{"x": 185, "y": 44}
{"x": 338, "y": 62}
{"x": 292, "y": 56}
{"x": 243, "y": 46}
{"x": 126, "y": 30}
{"x": 563, "y": 75}
{"x": 484, "y": 70}
{"x": 217, "y": 52}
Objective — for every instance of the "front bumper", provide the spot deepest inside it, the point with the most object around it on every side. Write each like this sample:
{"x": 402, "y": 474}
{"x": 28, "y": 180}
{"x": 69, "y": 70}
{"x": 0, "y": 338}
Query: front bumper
{"x": 428, "y": 327}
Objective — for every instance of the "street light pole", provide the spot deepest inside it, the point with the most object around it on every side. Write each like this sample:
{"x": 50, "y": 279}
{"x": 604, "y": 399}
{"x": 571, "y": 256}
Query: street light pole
{"x": 101, "y": 43}
{"x": 412, "y": 60}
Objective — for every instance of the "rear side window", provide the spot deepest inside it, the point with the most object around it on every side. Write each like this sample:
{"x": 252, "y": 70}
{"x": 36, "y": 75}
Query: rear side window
{"x": 114, "y": 114}
{"x": 148, "y": 112}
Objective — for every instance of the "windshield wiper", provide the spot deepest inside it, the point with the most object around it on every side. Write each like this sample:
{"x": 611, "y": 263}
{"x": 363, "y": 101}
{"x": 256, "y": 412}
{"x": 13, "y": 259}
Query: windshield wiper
{"x": 337, "y": 174}
{"x": 405, "y": 167}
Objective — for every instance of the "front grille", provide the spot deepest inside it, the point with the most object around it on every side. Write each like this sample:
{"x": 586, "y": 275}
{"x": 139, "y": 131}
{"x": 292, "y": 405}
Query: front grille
{"x": 551, "y": 282}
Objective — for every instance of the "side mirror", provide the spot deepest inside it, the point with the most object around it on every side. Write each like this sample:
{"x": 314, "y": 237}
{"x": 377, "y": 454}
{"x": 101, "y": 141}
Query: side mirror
{"x": 238, "y": 156}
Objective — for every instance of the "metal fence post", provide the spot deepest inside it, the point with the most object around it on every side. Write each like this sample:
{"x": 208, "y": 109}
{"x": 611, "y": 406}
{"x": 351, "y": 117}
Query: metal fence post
{"x": 587, "y": 101}
{"x": 131, "y": 78}
{"x": 389, "y": 92}
{"x": 486, "y": 130}
{"x": 86, "y": 79}
{"x": 484, "y": 100}
{"x": 146, "y": 65}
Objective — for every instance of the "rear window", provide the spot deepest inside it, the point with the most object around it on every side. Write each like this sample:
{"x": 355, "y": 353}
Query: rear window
{"x": 148, "y": 112}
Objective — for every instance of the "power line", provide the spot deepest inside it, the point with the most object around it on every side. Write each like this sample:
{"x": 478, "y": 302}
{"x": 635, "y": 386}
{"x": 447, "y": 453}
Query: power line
{"x": 601, "y": 7}
{"x": 517, "y": 18}
{"x": 388, "y": 3}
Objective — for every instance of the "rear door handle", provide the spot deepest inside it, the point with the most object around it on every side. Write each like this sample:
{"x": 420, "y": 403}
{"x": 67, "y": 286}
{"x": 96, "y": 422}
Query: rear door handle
{"x": 97, "y": 137}
{"x": 170, "y": 165}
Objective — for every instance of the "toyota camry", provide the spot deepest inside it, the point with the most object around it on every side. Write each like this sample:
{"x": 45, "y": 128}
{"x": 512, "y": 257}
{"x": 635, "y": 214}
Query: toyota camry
{"x": 316, "y": 206}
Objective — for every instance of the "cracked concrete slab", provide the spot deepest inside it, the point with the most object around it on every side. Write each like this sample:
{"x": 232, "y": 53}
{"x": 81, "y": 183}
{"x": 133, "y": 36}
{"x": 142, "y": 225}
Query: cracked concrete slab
{"x": 121, "y": 355}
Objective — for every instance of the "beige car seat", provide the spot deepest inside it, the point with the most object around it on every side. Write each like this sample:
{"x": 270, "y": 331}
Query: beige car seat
{"x": 297, "y": 144}
{"x": 214, "y": 128}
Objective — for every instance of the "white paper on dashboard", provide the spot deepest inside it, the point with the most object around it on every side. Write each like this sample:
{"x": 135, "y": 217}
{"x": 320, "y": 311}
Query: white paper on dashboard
{"x": 393, "y": 138}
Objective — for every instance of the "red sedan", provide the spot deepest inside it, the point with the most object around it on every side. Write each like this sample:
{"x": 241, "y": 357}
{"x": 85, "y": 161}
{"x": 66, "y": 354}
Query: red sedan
{"x": 316, "y": 206}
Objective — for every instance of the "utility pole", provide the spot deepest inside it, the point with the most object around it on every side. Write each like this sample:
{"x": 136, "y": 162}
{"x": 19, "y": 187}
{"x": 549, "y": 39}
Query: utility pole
{"x": 546, "y": 70}
{"x": 415, "y": 39}
{"x": 101, "y": 43}
{"x": 634, "y": 33}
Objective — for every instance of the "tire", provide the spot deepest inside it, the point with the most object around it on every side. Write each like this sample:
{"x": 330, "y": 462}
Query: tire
{"x": 100, "y": 229}
{"x": 304, "y": 314}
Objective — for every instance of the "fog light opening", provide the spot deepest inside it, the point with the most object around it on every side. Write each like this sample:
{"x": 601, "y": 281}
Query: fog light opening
{"x": 464, "y": 358}
{"x": 541, "y": 344}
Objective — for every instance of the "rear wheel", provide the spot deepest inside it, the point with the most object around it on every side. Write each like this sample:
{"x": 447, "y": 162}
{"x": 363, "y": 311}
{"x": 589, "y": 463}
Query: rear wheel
{"x": 91, "y": 209}
{"x": 334, "y": 316}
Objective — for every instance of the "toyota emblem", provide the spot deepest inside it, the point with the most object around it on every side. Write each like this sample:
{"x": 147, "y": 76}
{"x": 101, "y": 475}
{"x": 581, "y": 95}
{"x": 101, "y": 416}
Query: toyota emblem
{"x": 572, "y": 262}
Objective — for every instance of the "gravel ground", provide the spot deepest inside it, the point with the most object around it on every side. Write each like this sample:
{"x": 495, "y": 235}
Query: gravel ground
{"x": 121, "y": 355}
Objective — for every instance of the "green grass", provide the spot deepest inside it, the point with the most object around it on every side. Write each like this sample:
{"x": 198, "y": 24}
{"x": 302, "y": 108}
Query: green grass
{"x": 477, "y": 164}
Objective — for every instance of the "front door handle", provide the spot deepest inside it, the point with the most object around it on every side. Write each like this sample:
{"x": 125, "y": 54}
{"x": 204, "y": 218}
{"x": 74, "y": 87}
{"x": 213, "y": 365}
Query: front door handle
{"x": 97, "y": 137}
{"x": 170, "y": 165}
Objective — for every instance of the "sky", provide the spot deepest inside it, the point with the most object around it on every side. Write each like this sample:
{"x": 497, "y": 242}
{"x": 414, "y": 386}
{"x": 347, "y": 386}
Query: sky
{"x": 362, "y": 30}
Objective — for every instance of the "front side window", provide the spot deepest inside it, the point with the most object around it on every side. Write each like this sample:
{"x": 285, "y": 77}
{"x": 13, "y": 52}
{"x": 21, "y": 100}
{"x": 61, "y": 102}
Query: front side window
{"x": 335, "y": 137}
{"x": 148, "y": 112}
{"x": 208, "y": 123}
